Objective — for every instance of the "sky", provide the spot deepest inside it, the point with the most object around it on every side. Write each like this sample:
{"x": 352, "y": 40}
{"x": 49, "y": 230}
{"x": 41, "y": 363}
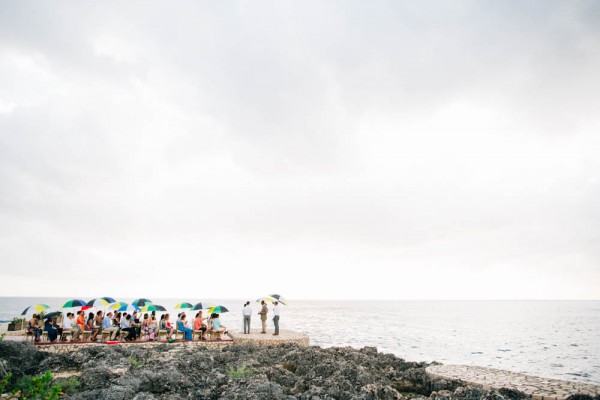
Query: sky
{"x": 321, "y": 150}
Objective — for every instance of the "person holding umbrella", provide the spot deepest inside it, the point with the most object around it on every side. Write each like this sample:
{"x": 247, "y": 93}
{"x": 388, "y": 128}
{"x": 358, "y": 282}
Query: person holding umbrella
{"x": 276, "y": 314}
{"x": 263, "y": 316}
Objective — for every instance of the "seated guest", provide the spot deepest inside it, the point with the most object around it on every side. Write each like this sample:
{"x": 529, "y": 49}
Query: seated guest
{"x": 199, "y": 324}
{"x": 153, "y": 321}
{"x": 136, "y": 323}
{"x": 91, "y": 327}
{"x": 81, "y": 326}
{"x": 116, "y": 322}
{"x": 52, "y": 329}
{"x": 216, "y": 324}
{"x": 98, "y": 323}
{"x": 181, "y": 326}
{"x": 107, "y": 326}
{"x": 147, "y": 327}
{"x": 67, "y": 325}
{"x": 166, "y": 325}
{"x": 126, "y": 327}
{"x": 34, "y": 327}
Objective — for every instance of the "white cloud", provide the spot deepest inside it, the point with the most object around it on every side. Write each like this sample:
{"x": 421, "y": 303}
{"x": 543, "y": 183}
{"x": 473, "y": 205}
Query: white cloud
{"x": 319, "y": 150}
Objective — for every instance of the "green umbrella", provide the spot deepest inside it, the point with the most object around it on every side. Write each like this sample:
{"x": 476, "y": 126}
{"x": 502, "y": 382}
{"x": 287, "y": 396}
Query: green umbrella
{"x": 152, "y": 307}
{"x": 74, "y": 303}
{"x": 201, "y": 306}
{"x": 218, "y": 310}
{"x": 141, "y": 302}
{"x": 184, "y": 305}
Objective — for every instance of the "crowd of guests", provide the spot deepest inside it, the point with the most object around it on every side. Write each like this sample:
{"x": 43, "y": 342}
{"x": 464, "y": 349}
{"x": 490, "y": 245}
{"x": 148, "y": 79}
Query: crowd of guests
{"x": 127, "y": 327}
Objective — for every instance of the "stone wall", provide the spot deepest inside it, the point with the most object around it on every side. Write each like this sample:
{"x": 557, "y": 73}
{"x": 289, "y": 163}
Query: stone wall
{"x": 59, "y": 348}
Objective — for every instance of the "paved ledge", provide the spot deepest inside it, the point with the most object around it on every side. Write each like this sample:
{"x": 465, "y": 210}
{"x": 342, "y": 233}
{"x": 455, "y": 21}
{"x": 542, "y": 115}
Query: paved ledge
{"x": 268, "y": 339}
{"x": 536, "y": 387}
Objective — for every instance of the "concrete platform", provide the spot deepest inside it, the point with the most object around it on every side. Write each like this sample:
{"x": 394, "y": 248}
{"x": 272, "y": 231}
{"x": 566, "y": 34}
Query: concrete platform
{"x": 268, "y": 339}
{"x": 536, "y": 387}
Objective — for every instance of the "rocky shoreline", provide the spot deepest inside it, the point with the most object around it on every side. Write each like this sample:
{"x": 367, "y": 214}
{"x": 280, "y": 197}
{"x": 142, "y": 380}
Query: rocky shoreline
{"x": 241, "y": 371}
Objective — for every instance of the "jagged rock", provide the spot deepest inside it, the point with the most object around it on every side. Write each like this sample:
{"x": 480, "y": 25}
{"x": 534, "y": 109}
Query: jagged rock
{"x": 241, "y": 372}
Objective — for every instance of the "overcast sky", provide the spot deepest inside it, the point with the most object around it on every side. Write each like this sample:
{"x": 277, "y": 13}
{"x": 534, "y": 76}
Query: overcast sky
{"x": 322, "y": 150}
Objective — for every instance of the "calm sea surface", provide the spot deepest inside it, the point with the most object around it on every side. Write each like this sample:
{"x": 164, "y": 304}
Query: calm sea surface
{"x": 556, "y": 339}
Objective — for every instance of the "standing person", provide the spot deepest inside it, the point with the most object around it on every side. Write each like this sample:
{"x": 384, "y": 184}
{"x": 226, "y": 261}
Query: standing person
{"x": 107, "y": 326}
{"x": 263, "y": 316}
{"x": 276, "y": 314}
{"x": 247, "y": 313}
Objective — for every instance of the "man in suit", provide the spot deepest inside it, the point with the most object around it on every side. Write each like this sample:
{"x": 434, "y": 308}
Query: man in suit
{"x": 263, "y": 316}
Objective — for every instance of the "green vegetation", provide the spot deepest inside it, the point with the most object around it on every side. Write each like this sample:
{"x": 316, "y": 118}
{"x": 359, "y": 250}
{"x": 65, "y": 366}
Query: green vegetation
{"x": 36, "y": 387}
{"x": 240, "y": 372}
{"x": 134, "y": 361}
{"x": 2, "y": 336}
{"x": 5, "y": 383}
{"x": 69, "y": 385}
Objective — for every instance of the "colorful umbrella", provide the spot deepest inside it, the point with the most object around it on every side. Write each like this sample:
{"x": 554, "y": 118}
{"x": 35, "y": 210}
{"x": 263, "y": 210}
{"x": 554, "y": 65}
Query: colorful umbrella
{"x": 36, "y": 308}
{"x": 101, "y": 302}
{"x": 141, "y": 302}
{"x": 279, "y": 299}
{"x": 218, "y": 310}
{"x": 184, "y": 305}
{"x": 202, "y": 306}
{"x": 267, "y": 299}
{"x": 74, "y": 303}
{"x": 152, "y": 307}
{"x": 122, "y": 306}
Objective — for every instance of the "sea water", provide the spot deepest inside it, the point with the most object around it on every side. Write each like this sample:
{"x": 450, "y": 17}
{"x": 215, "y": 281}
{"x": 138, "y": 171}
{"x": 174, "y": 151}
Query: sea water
{"x": 554, "y": 339}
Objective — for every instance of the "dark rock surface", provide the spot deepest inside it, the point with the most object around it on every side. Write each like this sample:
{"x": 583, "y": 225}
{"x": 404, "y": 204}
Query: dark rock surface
{"x": 239, "y": 372}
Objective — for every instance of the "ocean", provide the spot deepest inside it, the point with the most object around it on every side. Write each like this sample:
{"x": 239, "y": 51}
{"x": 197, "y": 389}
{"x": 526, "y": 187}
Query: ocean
{"x": 554, "y": 339}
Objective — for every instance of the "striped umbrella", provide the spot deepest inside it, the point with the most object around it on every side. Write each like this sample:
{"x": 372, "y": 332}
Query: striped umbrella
{"x": 266, "y": 299}
{"x": 35, "y": 309}
{"x": 123, "y": 307}
{"x": 141, "y": 302}
{"x": 279, "y": 299}
{"x": 75, "y": 303}
{"x": 202, "y": 306}
{"x": 218, "y": 310}
{"x": 152, "y": 307}
{"x": 184, "y": 306}
{"x": 101, "y": 302}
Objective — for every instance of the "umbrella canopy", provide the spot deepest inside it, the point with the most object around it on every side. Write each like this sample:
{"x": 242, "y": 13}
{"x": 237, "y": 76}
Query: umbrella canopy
{"x": 141, "y": 302}
{"x": 153, "y": 307}
{"x": 122, "y": 306}
{"x": 218, "y": 310}
{"x": 184, "y": 305}
{"x": 52, "y": 314}
{"x": 101, "y": 302}
{"x": 36, "y": 308}
{"x": 267, "y": 299}
{"x": 202, "y": 306}
{"x": 279, "y": 299}
{"x": 74, "y": 303}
